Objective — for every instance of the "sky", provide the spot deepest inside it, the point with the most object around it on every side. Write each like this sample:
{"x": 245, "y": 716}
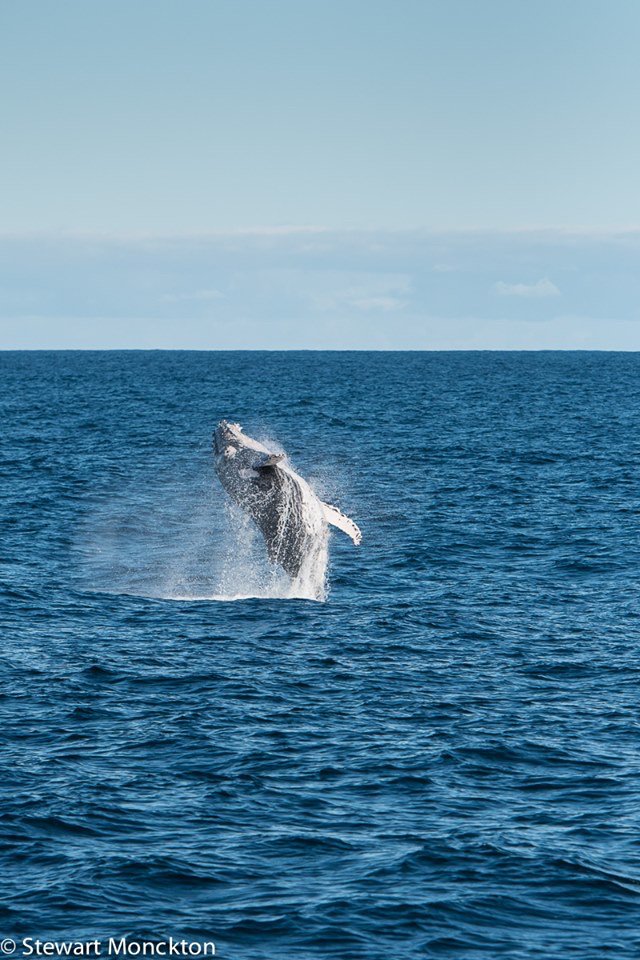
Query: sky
{"x": 415, "y": 174}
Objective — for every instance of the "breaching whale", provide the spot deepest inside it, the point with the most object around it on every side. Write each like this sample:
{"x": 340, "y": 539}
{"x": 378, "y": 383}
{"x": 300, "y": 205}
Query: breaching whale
{"x": 291, "y": 518}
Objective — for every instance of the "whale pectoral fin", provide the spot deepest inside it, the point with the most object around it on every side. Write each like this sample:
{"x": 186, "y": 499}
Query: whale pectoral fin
{"x": 337, "y": 519}
{"x": 273, "y": 460}
{"x": 263, "y": 460}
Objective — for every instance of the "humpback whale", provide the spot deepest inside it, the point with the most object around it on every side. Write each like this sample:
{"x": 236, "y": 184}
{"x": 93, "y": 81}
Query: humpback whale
{"x": 291, "y": 518}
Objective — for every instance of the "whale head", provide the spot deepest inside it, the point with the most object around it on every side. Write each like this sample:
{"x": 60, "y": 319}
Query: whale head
{"x": 247, "y": 470}
{"x": 236, "y": 452}
{"x": 227, "y": 439}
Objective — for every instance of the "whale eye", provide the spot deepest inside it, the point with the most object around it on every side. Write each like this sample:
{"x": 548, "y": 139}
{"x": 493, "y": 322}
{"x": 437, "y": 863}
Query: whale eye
{"x": 229, "y": 452}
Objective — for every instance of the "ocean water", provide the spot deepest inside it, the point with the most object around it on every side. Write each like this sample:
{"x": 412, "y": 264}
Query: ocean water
{"x": 440, "y": 760}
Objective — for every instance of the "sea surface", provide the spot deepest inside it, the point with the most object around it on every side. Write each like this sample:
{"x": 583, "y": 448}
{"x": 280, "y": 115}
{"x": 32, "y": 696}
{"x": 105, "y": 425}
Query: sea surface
{"x": 442, "y": 759}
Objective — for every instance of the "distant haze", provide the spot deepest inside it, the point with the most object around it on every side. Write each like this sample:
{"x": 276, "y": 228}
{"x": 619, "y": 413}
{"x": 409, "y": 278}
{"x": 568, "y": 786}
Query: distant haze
{"x": 323, "y": 290}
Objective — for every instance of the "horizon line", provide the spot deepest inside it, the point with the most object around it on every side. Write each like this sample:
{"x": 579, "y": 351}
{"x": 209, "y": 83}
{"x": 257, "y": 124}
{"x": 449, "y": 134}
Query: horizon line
{"x": 315, "y": 350}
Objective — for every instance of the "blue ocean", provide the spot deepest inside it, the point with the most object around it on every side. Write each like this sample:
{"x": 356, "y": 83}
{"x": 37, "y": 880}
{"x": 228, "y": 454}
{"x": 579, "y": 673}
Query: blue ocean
{"x": 438, "y": 758}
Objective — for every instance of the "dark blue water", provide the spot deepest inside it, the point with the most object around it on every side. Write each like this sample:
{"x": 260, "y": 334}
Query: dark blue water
{"x": 442, "y": 760}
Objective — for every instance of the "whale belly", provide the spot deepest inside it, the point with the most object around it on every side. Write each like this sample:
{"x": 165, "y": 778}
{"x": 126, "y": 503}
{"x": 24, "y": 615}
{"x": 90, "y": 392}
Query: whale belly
{"x": 283, "y": 519}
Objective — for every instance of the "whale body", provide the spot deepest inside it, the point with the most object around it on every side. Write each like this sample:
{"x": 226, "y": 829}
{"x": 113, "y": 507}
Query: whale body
{"x": 291, "y": 518}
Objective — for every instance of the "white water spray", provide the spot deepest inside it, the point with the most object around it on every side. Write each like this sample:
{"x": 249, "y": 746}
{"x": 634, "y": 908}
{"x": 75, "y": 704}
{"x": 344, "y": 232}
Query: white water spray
{"x": 190, "y": 543}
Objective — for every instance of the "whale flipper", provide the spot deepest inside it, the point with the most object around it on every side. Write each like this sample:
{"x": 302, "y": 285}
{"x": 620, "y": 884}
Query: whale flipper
{"x": 262, "y": 460}
{"x": 337, "y": 519}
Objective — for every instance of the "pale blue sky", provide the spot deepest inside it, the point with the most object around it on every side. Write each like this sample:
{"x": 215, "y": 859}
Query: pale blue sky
{"x": 395, "y": 118}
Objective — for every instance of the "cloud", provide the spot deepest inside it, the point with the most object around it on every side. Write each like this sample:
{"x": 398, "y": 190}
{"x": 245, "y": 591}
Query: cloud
{"x": 321, "y": 289}
{"x": 197, "y": 295}
{"x": 442, "y": 268}
{"x": 543, "y": 288}
{"x": 361, "y": 291}
{"x": 282, "y": 231}
{"x": 379, "y": 303}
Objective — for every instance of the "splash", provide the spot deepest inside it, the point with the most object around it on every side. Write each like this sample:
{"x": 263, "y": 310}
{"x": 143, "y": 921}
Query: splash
{"x": 311, "y": 581}
{"x": 181, "y": 539}
{"x": 246, "y": 572}
{"x": 245, "y": 569}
